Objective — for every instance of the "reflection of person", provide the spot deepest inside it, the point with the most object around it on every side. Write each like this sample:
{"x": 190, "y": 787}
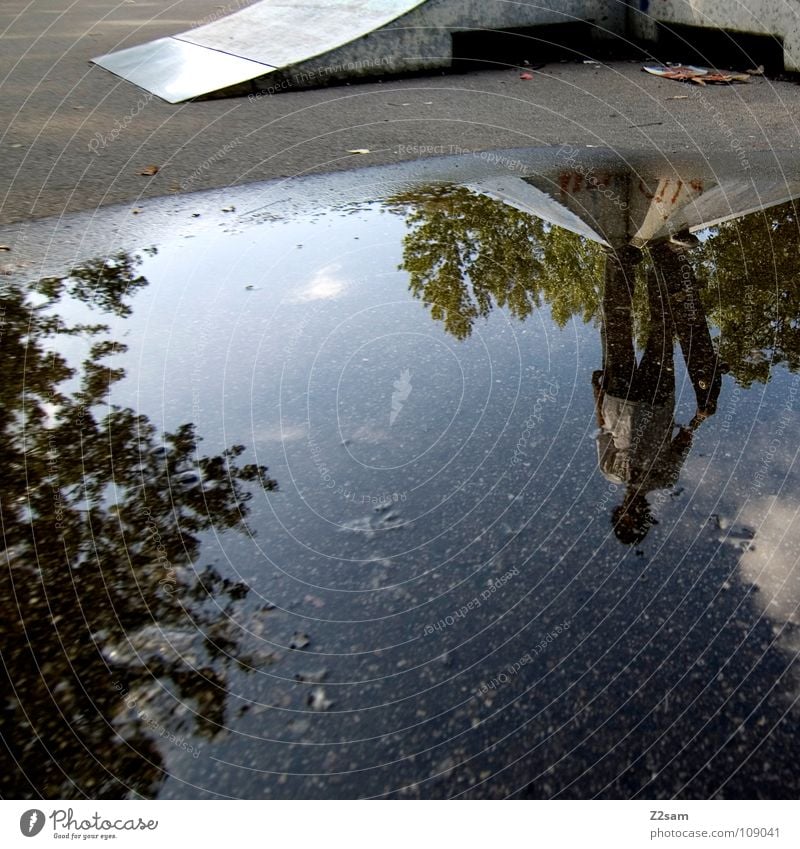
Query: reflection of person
{"x": 635, "y": 401}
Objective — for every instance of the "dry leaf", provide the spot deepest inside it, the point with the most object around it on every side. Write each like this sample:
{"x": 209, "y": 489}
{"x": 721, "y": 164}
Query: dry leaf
{"x": 360, "y": 150}
{"x": 150, "y": 171}
{"x": 4, "y": 248}
{"x": 726, "y": 77}
{"x": 695, "y": 74}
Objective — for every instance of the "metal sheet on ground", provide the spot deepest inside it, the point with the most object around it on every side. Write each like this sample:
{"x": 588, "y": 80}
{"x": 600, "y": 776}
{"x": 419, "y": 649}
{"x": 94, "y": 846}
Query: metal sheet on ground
{"x": 284, "y": 33}
{"x": 176, "y": 70}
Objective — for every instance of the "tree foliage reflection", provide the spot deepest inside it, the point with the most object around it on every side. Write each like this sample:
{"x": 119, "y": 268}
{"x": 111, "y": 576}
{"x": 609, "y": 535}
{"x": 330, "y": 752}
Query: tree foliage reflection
{"x": 104, "y": 615}
{"x": 467, "y": 253}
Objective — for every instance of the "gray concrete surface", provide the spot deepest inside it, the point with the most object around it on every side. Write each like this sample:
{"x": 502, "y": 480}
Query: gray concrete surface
{"x": 763, "y": 17}
{"x": 336, "y": 39}
{"x": 77, "y": 138}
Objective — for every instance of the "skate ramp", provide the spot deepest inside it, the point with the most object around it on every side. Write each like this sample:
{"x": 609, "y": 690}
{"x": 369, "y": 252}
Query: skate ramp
{"x": 248, "y": 44}
{"x": 326, "y": 40}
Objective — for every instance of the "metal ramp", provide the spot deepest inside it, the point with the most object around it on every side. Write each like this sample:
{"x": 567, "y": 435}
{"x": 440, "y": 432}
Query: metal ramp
{"x": 302, "y": 42}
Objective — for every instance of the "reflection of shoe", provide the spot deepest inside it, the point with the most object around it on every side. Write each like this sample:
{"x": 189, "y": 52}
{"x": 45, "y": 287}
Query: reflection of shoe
{"x": 684, "y": 239}
{"x": 628, "y": 255}
{"x": 703, "y": 413}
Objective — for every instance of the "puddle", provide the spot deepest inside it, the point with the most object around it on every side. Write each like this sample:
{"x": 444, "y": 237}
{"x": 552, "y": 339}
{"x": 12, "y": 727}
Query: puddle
{"x": 480, "y": 486}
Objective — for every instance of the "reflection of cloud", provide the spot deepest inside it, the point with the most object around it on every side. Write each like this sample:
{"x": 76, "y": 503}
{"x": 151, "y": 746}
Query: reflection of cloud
{"x": 280, "y": 433}
{"x": 773, "y": 562}
{"x": 402, "y": 389}
{"x": 772, "y": 565}
{"x": 323, "y": 286}
{"x": 371, "y": 434}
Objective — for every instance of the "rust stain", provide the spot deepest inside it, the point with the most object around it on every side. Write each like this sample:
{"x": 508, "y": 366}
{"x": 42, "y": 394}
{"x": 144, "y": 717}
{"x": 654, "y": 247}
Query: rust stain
{"x": 643, "y": 190}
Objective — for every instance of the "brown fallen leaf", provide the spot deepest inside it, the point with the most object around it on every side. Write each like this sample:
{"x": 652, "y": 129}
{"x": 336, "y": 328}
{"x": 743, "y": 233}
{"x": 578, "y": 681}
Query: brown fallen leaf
{"x": 695, "y": 74}
{"x": 149, "y": 171}
{"x": 726, "y": 77}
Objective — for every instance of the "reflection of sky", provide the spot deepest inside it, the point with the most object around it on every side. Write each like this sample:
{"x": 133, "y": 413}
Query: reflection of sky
{"x": 706, "y": 233}
{"x": 325, "y": 284}
{"x": 291, "y": 339}
{"x": 772, "y": 562}
{"x": 744, "y": 481}
{"x": 284, "y": 335}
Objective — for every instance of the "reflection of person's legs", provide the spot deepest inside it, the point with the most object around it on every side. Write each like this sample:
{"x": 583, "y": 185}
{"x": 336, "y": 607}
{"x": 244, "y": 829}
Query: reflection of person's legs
{"x": 655, "y": 376}
{"x": 690, "y": 322}
{"x": 619, "y": 365}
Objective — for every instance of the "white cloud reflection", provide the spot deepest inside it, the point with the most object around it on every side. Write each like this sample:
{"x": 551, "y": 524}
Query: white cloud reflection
{"x": 325, "y": 285}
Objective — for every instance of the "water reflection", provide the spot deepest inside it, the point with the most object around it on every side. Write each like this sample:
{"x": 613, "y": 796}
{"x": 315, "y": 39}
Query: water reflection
{"x": 520, "y": 244}
{"x": 637, "y": 445}
{"x": 115, "y": 640}
{"x": 618, "y": 251}
{"x": 467, "y": 253}
{"x": 454, "y": 612}
{"x": 576, "y": 245}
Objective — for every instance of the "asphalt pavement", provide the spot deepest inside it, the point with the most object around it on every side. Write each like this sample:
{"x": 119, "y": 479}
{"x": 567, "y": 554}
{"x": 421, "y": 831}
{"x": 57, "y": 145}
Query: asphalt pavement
{"x": 78, "y": 138}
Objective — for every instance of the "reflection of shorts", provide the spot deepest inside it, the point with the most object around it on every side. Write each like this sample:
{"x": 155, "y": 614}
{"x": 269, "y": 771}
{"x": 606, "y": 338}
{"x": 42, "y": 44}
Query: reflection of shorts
{"x": 614, "y": 465}
{"x": 638, "y": 432}
{"x": 651, "y": 383}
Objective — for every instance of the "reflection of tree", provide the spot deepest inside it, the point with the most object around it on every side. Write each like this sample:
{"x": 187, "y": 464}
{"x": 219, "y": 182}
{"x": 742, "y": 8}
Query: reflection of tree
{"x": 467, "y": 253}
{"x": 101, "y": 523}
{"x": 752, "y": 266}
{"x": 105, "y": 282}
